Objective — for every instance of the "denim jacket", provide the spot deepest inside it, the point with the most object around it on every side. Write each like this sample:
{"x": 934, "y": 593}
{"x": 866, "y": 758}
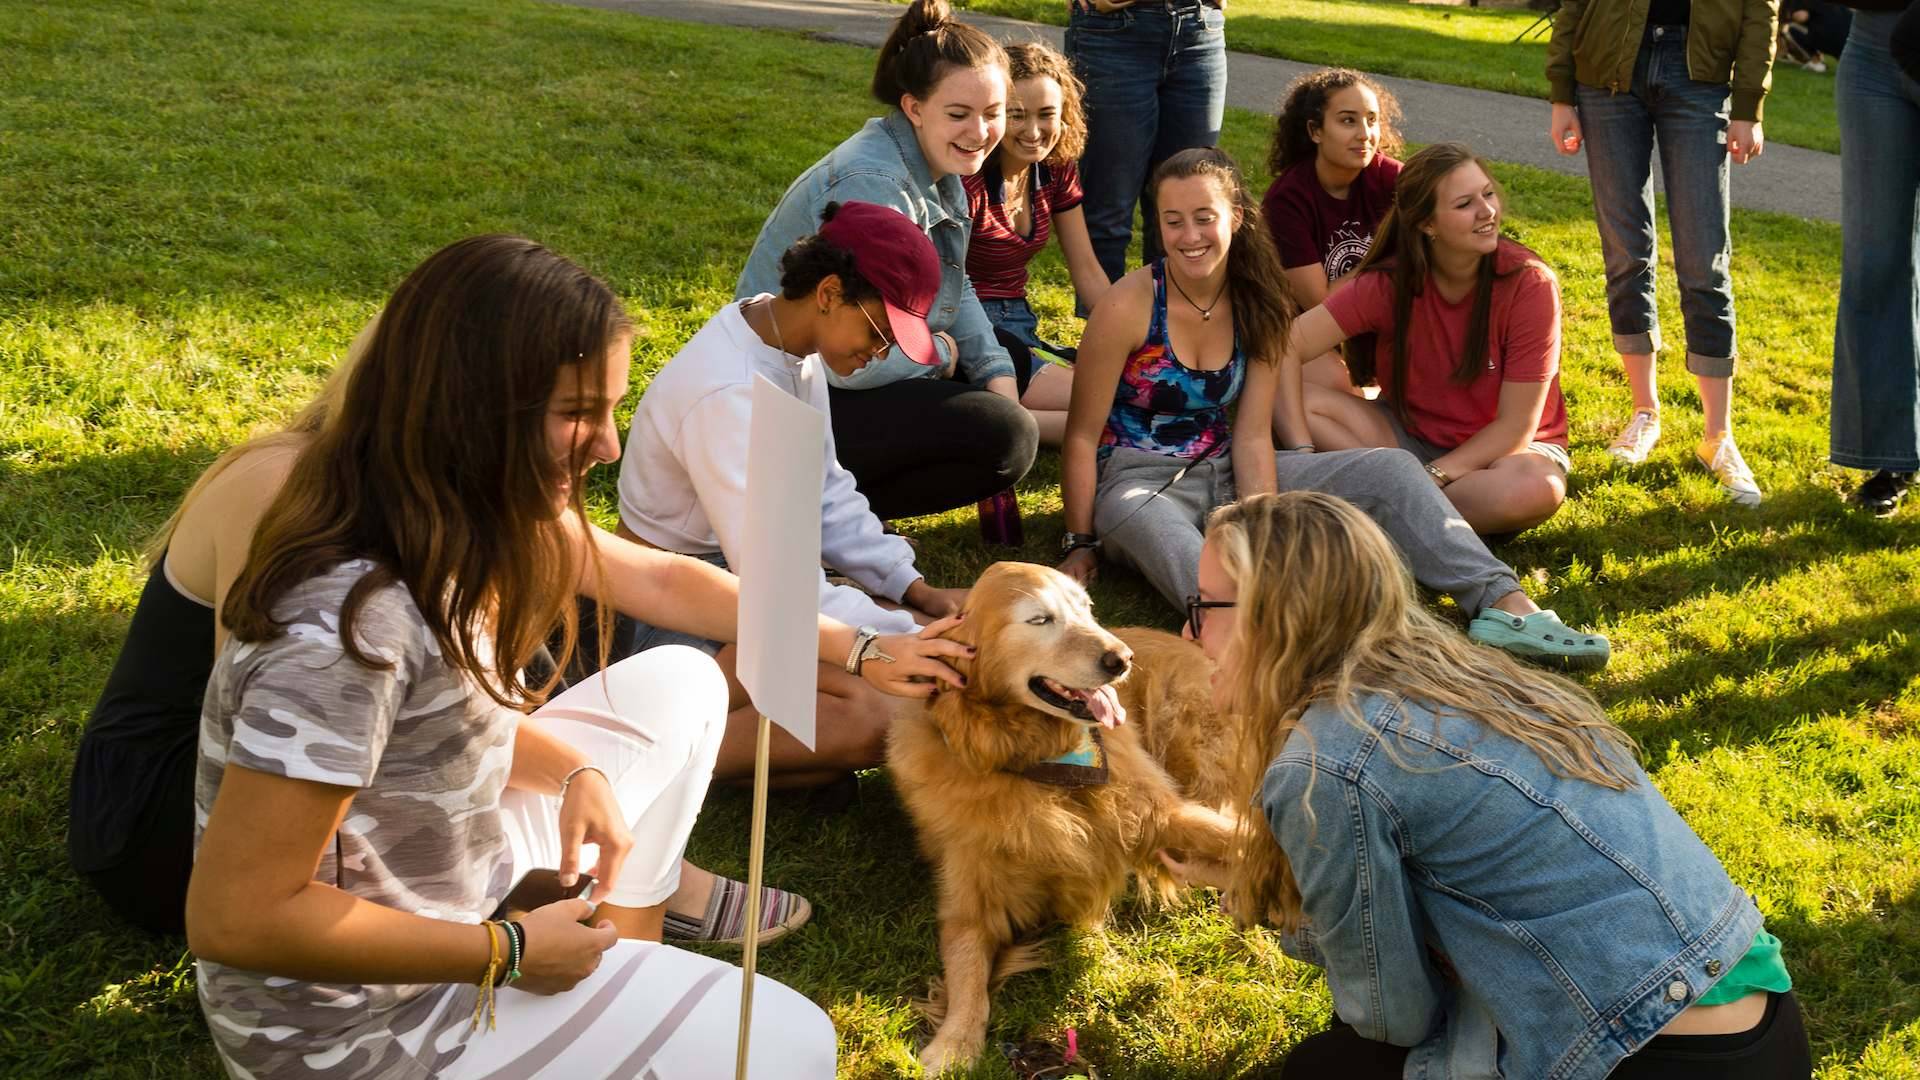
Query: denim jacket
{"x": 1500, "y": 920}
{"x": 881, "y": 163}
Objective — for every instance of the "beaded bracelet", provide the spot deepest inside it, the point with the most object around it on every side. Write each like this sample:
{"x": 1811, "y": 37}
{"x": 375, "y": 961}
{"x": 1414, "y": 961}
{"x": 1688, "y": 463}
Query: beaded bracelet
{"x": 516, "y": 948}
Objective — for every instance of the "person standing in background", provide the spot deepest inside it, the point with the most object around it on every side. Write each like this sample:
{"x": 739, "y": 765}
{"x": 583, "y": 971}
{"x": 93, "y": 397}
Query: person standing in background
{"x": 1156, "y": 79}
{"x": 1876, "y": 335}
{"x": 1690, "y": 75}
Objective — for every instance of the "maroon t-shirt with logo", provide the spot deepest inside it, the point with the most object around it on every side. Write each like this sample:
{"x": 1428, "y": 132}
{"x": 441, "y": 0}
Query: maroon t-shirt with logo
{"x": 1310, "y": 226}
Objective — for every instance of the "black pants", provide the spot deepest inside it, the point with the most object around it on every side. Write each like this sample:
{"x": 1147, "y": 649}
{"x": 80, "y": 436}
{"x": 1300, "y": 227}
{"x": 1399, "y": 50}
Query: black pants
{"x": 1776, "y": 1049}
{"x": 921, "y": 446}
{"x": 148, "y": 886}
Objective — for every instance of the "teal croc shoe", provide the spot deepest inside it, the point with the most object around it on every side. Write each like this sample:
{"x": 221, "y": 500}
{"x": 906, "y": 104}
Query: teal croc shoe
{"x": 1542, "y": 638}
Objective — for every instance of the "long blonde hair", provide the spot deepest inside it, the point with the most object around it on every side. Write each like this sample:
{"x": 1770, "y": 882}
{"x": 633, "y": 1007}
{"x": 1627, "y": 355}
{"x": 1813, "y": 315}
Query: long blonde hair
{"x": 1327, "y": 614}
{"x": 296, "y": 433}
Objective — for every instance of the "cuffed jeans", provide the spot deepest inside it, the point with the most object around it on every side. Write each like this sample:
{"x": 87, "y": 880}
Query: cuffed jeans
{"x": 1155, "y": 527}
{"x": 1876, "y": 362}
{"x": 1690, "y": 121}
{"x": 1156, "y": 80}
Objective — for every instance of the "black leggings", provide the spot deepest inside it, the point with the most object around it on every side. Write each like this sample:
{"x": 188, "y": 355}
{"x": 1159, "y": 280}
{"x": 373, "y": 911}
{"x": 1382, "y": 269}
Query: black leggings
{"x": 148, "y": 886}
{"x": 1775, "y": 1049}
{"x": 920, "y": 446}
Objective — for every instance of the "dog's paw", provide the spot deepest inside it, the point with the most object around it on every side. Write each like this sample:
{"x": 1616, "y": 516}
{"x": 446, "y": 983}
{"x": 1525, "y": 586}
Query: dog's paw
{"x": 949, "y": 1051}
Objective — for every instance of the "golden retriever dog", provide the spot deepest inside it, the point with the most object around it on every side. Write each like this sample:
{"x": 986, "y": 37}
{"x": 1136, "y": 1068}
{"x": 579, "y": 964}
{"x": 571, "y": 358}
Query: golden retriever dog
{"x": 1018, "y": 838}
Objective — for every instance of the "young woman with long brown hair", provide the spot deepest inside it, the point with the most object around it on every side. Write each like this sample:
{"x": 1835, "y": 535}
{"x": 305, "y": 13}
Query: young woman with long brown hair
{"x": 368, "y": 787}
{"x": 131, "y": 793}
{"x": 1466, "y": 844}
{"x": 1461, "y": 327}
{"x": 1150, "y": 450}
{"x": 1027, "y": 192}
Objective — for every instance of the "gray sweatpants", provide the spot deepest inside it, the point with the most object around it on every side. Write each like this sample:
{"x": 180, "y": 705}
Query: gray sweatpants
{"x": 1160, "y": 535}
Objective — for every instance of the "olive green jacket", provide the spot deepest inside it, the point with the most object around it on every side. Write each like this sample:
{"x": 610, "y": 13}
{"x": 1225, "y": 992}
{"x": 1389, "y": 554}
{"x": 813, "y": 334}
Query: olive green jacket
{"x": 1728, "y": 41}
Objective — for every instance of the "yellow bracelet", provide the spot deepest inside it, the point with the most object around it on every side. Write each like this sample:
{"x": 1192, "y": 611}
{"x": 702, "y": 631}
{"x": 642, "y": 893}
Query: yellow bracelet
{"x": 483, "y": 1005}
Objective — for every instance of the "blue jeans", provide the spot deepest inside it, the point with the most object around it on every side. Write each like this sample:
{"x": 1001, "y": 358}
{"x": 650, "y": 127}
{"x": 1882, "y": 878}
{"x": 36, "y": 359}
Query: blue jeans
{"x": 1156, "y": 82}
{"x": 1690, "y": 120}
{"x": 1876, "y": 363}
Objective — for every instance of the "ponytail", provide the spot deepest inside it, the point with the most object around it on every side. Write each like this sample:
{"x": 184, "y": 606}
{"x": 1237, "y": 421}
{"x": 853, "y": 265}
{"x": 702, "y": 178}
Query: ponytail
{"x": 925, "y": 41}
{"x": 1263, "y": 303}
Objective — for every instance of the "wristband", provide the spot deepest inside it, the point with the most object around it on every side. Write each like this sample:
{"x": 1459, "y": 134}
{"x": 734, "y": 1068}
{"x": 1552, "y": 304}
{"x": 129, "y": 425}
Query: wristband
{"x": 1307, "y": 446}
{"x": 516, "y": 948}
{"x": 1073, "y": 541}
{"x": 857, "y": 656}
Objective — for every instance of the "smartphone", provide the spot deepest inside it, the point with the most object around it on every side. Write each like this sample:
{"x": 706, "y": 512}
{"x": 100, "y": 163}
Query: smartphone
{"x": 538, "y": 888}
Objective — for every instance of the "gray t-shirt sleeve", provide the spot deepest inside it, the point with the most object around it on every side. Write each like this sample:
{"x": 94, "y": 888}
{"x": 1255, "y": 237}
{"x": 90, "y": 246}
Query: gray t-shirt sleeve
{"x": 305, "y": 709}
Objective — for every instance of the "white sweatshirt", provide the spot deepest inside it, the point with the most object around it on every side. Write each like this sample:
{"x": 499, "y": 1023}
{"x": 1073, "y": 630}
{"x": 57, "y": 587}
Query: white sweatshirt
{"x": 683, "y": 485}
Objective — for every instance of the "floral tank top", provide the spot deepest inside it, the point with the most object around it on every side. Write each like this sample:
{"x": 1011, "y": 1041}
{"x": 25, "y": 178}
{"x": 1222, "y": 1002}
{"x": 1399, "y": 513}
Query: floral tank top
{"x": 1165, "y": 407}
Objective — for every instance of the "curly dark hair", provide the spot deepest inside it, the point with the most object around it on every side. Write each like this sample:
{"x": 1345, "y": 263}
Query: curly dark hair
{"x": 811, "y": 258}
{"x": 1304, "y": 109}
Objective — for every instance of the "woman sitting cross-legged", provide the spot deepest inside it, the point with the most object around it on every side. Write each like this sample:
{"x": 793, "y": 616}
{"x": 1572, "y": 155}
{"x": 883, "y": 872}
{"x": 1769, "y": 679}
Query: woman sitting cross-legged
{"x": 1030, "y": 190}
{"x": 368, "y": 788}
{"x": 1150, "y": 448}
{"x": 848, "y": 295}
{"x": 1461, "y": 327}
{"x": 1467, "y": 845}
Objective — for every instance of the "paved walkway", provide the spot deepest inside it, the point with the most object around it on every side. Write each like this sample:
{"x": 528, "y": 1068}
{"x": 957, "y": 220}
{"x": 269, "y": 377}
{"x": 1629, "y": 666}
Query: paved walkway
{"x": 1505, "y": 127}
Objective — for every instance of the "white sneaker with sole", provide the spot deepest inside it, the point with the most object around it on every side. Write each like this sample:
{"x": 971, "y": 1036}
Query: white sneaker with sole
{"x": 1636, "y": 440}
{"x": 1723, "y": 460}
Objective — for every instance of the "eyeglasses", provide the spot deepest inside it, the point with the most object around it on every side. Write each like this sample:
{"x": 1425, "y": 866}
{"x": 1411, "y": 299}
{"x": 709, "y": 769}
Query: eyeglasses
{"x": 1196, "y": 609}
{"x": 886, "y": 342}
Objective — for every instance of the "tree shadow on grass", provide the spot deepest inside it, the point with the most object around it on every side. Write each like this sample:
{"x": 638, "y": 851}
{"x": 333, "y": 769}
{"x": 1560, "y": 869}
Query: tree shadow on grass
{"x": 1797, "y": 529}
{"x": 70, "y": 511}
{"x": 1854, "y": 975}
{"x": 1735, "y": 696}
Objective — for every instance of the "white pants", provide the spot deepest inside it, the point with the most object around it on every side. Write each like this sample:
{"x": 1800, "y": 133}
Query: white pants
{"x": 650, "y": 1011}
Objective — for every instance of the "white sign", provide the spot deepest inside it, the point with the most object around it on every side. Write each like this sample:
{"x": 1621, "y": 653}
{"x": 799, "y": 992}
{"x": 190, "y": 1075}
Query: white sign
{"x": 779, "y": 562}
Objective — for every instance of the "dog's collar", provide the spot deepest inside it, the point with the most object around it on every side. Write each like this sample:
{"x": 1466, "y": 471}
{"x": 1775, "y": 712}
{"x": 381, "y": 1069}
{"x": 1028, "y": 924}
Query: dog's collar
{"x": 1083, "y": 766}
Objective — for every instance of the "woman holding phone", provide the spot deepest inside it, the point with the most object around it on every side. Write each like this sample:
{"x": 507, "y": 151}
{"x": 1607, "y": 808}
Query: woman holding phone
{"x": 368, "y": 788}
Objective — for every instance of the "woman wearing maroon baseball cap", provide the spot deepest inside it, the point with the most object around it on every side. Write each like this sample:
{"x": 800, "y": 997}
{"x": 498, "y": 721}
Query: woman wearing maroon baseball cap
{"x": 916, "y": 441}
{"x": 849, "y": 294}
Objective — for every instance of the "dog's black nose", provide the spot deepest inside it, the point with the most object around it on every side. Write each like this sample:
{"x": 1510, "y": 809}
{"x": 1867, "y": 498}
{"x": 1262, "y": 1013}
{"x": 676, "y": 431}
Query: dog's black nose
{"x": 1115, "y": 661}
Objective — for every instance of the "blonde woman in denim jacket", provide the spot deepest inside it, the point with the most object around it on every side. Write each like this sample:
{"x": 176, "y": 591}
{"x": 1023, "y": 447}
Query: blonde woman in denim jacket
{"x": 1467, "y": 845}
{"x": 916, "y": 441}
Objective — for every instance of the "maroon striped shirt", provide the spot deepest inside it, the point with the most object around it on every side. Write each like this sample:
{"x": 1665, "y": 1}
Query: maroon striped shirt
{"x": 997, "y": 256}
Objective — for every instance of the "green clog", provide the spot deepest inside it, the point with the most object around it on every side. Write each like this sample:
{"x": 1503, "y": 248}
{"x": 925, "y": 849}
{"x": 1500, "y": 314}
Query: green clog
{"x": 1542, "y": 638}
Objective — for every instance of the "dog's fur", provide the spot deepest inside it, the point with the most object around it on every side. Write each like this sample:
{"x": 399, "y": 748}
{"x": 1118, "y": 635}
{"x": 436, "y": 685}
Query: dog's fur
{"x": 1012, "y": 854}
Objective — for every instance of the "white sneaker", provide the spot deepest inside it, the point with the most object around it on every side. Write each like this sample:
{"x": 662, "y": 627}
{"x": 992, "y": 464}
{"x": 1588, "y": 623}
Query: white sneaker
{"x": 1723, "y": 460}
{"x": 1636, "y": 440}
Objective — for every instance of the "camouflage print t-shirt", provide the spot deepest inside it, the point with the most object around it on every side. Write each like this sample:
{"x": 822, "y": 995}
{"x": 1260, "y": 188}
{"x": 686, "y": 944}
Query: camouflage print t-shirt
{"x": 429, "y": 754}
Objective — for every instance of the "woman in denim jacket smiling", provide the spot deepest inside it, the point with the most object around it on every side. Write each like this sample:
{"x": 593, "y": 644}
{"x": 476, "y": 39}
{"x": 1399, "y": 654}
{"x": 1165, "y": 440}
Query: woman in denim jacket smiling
{"x": 918, "y": 444}
{"x": 1468, "y": 846}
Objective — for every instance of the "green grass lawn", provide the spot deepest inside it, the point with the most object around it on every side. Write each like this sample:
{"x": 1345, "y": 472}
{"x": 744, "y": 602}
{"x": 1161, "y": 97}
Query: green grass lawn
{"x": 202, "y": 201}
{"x": 1460, "y": 46}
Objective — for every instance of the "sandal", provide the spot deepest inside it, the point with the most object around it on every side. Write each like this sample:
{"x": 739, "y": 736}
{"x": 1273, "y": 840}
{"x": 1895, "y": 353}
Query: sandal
{"x": 725, "y": 922}
{"x": 1541, "y": 637}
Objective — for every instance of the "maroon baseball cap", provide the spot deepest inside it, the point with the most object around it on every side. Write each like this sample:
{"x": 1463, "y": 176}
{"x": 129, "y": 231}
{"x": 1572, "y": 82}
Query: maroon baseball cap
{"x": 892, "y": 253}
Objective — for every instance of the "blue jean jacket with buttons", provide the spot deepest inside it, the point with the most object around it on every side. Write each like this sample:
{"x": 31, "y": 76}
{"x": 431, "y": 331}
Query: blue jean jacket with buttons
{"x": 1500, "y": 920}
{"x": 881, "y": 163}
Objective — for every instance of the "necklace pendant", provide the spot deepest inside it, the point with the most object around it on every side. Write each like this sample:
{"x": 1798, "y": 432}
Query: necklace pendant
{"x": 1206, "y": 316}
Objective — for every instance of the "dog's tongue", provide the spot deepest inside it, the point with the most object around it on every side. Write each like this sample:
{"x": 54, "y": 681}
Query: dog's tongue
{"x": 1105, "y": 706}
